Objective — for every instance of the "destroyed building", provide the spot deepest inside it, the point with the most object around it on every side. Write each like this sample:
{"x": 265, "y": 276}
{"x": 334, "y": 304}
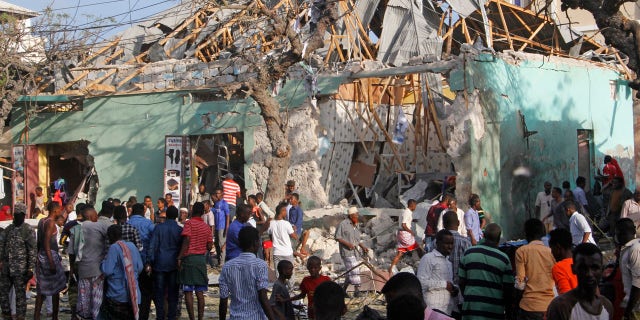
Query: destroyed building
{"x": 499, "y": 96}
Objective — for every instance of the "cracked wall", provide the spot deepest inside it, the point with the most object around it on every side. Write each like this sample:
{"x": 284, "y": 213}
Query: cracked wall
{"x": 557, "y": 97}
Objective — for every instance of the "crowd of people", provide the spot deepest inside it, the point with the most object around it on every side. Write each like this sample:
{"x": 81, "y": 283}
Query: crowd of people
{"x": 113, "y": 263}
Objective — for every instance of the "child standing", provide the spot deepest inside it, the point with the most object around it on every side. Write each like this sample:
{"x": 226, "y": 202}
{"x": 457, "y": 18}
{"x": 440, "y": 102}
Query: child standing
{"x": 280, "y": 299}
{"x": 309, "y": 283}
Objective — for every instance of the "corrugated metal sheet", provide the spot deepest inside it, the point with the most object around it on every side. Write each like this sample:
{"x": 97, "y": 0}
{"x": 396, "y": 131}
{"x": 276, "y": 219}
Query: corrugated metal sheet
{"x": 464, "y": 7}
{"x": 407, "y": 33}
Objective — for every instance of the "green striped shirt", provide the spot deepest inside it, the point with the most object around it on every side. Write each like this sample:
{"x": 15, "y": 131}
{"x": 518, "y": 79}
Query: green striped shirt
{"x": 486, "y": 271}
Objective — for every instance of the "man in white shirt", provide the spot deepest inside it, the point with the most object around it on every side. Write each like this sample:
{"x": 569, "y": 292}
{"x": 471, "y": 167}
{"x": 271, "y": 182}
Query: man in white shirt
{"x": 453, "y": 206}
{"x": 406, "y": 237}
{"x": 578, "y": 225}
{"x": 281, "y": 233}
{"x": 436, "y": 275}
{"x": 629, "y": 266}
{"x": 543, "y": 201}
{"x": 631, "y": 209}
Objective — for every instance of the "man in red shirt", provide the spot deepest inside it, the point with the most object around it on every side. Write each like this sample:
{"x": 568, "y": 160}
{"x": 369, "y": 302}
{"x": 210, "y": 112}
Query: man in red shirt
{"x": 231, "y": 192}
{"x": 192, "y": 265}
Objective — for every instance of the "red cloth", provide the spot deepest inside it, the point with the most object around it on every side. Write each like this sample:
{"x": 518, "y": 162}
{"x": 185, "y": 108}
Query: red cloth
{"x": 4, "y": 213}
{"x": 432, "y": 218}
{"x": 308, "y": 286}
{"x": 57, "y": 198}
{"x": 199, "y": 234}
{"x": 131, "y": 277}
{"x": 618, "y": 311}
{"x": 611, "y": 170}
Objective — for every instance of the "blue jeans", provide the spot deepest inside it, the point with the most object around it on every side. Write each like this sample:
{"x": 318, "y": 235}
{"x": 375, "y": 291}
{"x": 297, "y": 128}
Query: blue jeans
{"x": 166, "y": 282}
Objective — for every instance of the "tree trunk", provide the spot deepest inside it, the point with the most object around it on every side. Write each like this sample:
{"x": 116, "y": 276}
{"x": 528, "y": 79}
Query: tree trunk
{"x": 617, "y": 30}
{"x": 280, "y": 148}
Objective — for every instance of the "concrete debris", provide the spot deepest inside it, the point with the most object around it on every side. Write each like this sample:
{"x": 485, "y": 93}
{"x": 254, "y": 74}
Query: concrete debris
{"x": 417, "y": 192}
{"x": 378, "y": 234}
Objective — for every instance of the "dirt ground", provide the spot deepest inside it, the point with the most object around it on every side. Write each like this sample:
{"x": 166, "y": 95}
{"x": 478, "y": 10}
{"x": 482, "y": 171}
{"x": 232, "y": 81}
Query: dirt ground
{"x": 354, "y": 305}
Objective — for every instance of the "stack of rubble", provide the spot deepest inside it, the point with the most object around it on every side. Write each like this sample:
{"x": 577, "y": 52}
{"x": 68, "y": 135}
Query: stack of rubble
{"x": 378, "y": 234}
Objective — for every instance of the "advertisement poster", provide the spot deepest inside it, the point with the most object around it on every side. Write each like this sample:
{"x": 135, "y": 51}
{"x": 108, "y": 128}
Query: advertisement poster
{"x": 187, "y": 171}
{"x": 173, "y": 167}
{"x": 19, "y": 194}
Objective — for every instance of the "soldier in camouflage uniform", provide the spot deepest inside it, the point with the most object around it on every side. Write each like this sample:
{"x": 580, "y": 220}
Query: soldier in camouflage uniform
{"x": 17, "y": 262}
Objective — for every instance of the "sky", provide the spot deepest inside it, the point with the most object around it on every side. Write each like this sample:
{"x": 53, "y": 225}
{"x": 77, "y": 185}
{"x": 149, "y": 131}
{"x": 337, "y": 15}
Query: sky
{"x": 123, "y": 11}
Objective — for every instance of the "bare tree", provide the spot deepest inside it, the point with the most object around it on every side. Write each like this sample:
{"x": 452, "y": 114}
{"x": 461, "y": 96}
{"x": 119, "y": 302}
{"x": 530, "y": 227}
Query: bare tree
{"x": 16, "y": 72}
{"x": 318, "y": 16}
{"x": 30, "y": 52}
{"x": 619, "y": 31}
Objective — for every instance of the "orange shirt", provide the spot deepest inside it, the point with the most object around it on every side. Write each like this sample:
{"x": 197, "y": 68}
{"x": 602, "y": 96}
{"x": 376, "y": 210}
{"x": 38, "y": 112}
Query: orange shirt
{"x": 563, "y": 276}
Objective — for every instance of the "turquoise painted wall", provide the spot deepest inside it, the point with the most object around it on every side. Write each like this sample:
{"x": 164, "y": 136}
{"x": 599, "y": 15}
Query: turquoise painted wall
{"x": 556, "y": 98}
{"x": 126, "y": 132}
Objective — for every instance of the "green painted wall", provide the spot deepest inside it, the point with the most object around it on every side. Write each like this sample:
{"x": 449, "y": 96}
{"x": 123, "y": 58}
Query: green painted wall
{"x": 556, "y": 98}
{"x": 126, "y": 132}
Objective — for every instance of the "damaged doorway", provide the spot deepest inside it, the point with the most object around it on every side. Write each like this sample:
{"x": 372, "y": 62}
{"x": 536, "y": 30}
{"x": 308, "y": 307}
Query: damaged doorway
{"x": 71, "y": 162}
{"x": 585, "y": 155}
{"x": 216, "y": 155}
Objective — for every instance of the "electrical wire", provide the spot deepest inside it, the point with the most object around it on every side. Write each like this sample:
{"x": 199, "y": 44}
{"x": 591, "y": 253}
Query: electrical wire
{"x": 49, "y": 9}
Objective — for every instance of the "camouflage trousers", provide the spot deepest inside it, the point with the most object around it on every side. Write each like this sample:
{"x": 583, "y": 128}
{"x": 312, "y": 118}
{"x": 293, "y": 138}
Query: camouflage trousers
{"x": 20, "y": 286}
{"x": 72, "y": 293}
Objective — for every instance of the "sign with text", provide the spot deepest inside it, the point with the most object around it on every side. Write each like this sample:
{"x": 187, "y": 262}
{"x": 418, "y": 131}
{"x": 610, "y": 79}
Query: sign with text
{"x": 173, "y": 165}
{"x": 19, "y": 190}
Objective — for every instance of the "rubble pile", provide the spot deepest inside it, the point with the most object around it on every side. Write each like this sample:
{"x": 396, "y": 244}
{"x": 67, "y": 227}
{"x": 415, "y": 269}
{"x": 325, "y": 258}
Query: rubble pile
{"x": 378, "y": 226}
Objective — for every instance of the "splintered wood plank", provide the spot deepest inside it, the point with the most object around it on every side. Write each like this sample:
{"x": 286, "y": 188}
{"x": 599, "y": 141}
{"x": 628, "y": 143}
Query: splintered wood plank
{"x": 504, "y": 23}
{"x": 465, "y": 31}
{"x": 224, "y": 27}
{"x": 376, "y": 117}
{"x": 533, "y": 35}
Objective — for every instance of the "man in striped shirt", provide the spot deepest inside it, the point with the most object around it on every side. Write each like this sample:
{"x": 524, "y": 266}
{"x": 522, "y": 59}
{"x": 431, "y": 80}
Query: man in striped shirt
{"x": 244, "y": 280}
{"x": 231, "y": 191}
{"x": 192, "y": 266}
{"x": 486, "y": 279}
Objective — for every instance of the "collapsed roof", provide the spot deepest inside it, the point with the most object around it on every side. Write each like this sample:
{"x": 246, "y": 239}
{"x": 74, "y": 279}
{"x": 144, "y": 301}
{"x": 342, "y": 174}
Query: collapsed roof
{"x": 390, "y": 31}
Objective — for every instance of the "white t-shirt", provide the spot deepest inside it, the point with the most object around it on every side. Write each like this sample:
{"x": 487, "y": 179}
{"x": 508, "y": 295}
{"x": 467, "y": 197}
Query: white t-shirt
{"x": 209, "y": 219}
{"x": 578, "y": 312}
{"x": 280, "y": 231}
{"x": 406, "y": 218}
{"x": 544, "y": 202}
{"x": 578, "y": 225}
{"x": 462, "y": 229}
{"x": 72, "y": 216}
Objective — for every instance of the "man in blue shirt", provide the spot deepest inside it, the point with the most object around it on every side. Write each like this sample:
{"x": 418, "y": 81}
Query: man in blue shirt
{"x": 245, "y": 279}
{"x": 296, "y": 216}
{"x": 166, "y": 241}
{"x": 145, "y": 229}
{"x": 221, "y": 214}
{"x": 120, "y": 267}
{"x": 472, "y": 220}
{"x": 243, "y": 213}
